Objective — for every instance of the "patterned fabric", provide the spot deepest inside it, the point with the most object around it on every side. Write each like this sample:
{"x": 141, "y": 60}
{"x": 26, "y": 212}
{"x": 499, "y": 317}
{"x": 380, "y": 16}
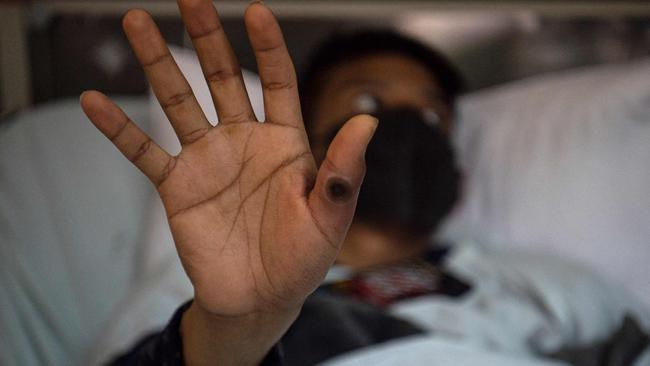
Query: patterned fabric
{"x": 386, "y": 284}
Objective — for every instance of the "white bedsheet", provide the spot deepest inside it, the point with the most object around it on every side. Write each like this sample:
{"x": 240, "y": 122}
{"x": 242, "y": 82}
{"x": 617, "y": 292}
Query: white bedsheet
{"x": 432, "y": 350}
{"x": 523, "y": 304}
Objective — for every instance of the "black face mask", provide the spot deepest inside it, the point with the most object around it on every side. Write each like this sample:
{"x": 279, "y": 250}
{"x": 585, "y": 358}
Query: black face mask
{"x": 411, "y": 176}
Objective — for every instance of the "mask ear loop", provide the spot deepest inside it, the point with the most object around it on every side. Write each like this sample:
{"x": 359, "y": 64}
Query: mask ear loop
{"x": 430, "y": 117}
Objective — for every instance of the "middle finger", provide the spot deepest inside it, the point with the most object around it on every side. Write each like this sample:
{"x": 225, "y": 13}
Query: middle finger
{"x": 281, "y": 102}
{"x": 218, "y": 61}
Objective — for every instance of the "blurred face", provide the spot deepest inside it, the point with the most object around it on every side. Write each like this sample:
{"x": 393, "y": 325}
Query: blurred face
{"x": 386, "y": 80}
{"x": 380, "y": 81}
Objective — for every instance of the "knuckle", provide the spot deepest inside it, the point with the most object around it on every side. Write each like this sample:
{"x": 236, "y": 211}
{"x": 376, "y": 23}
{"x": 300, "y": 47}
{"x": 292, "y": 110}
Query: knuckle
{"x": 222, "y": 75}
{"x": 279, "y": 85}
{"x": 239, "y": 117}
{"x": 169, "y": 167}
{"x": 269, "y": 46}
{"x": 157, "y": 60}
{"x": 143, "y": 148}
{"x": 119, "y": 131}
{"x": 177, "y": 99}
{"x": 193, "y": 136}
{"x": 204, "y": 33}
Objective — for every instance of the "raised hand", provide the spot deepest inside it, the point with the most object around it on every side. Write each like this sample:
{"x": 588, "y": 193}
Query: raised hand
{"x": 256, "y": 225}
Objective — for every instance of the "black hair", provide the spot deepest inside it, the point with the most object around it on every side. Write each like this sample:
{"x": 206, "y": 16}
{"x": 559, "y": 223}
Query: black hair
{"x": 344, "y": 47}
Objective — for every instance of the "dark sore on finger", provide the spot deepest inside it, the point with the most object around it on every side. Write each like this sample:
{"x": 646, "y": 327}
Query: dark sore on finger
{"x": 338, "y": 190}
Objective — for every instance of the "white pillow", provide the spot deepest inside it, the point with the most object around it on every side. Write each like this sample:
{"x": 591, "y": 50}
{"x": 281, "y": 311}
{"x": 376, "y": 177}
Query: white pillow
{"x": 562, "y": 162}
{"x": 71, "y": 209}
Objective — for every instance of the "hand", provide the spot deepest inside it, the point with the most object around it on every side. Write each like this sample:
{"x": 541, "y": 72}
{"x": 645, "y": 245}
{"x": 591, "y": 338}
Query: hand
{"x": 256, "y": 225}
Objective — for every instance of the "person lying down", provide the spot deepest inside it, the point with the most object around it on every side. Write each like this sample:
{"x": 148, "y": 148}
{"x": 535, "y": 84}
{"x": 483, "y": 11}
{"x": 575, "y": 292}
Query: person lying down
{"x": 295, "y": 262}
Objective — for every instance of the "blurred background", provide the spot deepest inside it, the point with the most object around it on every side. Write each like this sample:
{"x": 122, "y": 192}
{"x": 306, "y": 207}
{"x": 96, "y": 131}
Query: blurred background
{"x": 55, "y": 49}
{"x": 553, "y": 138}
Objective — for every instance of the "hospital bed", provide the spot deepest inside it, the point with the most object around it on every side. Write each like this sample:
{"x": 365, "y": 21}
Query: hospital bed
{"x": 556, "y": 156}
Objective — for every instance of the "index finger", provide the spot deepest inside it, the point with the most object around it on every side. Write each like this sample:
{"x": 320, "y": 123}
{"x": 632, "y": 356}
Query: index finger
{"x": 136, "y": 146}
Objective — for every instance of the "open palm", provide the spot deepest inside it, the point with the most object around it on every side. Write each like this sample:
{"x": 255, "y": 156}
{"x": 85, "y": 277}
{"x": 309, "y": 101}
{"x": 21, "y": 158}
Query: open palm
{"x": 256, "y": 225}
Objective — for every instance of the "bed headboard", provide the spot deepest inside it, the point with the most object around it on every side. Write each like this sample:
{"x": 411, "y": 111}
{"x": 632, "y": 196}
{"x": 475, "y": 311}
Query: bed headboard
{"x": 55, "y": 49}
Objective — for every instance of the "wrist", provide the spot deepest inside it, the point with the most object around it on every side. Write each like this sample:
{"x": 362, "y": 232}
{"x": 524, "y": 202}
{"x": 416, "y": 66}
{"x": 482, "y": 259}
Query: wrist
{"x": 231, "y": 340}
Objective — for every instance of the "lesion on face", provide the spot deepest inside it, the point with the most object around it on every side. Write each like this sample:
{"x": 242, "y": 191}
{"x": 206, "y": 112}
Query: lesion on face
{"x": 371, "y": 82}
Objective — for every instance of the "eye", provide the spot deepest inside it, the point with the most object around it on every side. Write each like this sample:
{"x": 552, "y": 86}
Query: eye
{"x": 366, "y": 103}
{"x": 430, "y": 117}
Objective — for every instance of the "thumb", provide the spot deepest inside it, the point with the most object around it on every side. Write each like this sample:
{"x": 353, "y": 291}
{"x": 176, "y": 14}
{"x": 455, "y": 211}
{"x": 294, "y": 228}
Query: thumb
{"x": 334, "y": 197}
